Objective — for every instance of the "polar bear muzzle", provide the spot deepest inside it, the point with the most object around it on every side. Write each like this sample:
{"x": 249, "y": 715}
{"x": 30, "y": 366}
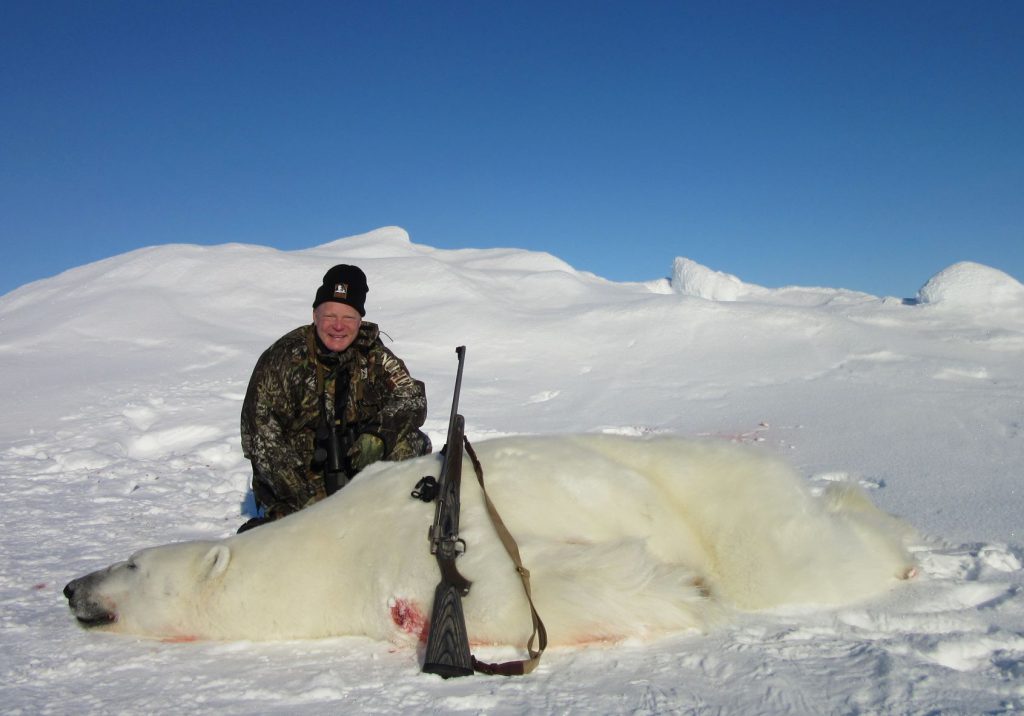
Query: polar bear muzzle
{"x": 80, "y": 593}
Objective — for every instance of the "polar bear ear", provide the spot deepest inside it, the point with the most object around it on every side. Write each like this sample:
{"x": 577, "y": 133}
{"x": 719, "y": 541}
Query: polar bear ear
{"x": 216, "y": 561}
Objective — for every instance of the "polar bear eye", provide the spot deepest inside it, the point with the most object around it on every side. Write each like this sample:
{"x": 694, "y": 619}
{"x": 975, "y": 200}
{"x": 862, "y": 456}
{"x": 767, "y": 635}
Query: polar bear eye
{"x": 131, "y": 565}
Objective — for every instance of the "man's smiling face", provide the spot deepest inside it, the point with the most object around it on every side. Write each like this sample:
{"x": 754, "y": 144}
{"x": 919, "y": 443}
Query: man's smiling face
{"x": 337, "y": 324}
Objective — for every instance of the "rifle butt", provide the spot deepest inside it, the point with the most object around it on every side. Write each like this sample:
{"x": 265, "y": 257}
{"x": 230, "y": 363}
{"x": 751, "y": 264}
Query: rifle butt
{"x": 448, "y": 641}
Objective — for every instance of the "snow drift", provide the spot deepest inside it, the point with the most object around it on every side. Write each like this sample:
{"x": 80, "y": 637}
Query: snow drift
{"x": 972, "y": 285}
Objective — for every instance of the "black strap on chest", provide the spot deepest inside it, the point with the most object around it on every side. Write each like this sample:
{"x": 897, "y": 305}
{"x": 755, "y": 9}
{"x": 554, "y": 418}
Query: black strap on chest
{"x": 333, "y": 436}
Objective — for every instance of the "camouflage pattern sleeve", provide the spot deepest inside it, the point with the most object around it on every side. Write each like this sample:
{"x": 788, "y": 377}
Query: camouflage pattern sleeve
{"x": 401, "y": 405}
{"x": 275, "y": 436}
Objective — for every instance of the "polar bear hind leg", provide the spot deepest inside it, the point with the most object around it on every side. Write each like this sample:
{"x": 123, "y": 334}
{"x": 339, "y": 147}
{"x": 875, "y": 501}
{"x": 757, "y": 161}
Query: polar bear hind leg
{"x": 624, "y": 592}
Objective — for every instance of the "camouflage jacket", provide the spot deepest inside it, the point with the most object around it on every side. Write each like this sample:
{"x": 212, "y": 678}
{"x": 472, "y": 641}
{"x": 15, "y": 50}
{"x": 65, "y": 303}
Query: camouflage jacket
{"x": 281, "y": 412}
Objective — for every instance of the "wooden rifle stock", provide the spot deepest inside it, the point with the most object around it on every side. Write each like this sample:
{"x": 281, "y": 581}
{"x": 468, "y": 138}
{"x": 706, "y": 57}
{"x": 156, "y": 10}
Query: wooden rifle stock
{"x": 447, "y": 652}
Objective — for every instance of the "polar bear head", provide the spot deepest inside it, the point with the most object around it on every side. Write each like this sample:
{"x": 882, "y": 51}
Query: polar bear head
{"x": 155, "y": 591}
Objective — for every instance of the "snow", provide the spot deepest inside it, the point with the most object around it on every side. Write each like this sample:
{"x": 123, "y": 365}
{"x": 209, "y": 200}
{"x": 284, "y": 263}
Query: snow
{"x": 693, "y": 279}
{"x": 972, "y": 285}
{"x": 122, "y": 384}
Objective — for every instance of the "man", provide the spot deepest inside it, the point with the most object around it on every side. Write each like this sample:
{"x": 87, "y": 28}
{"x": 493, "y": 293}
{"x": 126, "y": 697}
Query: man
{"x": 334, "y": 375}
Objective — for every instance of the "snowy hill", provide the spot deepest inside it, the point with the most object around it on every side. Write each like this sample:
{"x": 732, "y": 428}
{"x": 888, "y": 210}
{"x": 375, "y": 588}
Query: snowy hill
{"x": 123, "y": 380}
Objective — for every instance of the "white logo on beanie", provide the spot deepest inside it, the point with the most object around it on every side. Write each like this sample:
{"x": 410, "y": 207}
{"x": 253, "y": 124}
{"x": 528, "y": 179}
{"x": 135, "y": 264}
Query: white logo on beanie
{"x": 341, "y": 290}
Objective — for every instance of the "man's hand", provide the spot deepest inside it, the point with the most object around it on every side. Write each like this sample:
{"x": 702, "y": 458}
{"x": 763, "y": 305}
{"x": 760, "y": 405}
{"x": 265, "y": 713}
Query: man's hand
{"x": 367, "y": 450}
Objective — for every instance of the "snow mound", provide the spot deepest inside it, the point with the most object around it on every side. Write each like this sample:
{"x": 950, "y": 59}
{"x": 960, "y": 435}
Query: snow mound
{"x": 690, "y": 278}
{"x": 971, "y": 284}
{"x": 383, "y": 243}
{"x": 693, "y": 279}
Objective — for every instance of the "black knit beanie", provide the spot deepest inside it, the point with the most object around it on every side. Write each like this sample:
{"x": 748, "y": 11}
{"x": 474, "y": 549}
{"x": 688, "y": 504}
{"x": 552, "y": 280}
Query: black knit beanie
{"x": 344, "y": 284}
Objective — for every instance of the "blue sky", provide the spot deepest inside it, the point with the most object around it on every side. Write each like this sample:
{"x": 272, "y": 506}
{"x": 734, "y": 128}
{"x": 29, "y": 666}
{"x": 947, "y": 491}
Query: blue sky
{"x": 863, "y": 145}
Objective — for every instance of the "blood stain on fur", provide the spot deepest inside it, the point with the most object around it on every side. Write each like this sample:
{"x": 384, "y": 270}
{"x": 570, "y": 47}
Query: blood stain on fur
{"x": 407, "y": 616}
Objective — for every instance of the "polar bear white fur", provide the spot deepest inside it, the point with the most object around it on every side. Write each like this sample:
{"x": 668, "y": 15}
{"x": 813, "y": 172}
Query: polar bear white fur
{"x": 624, "y": 537}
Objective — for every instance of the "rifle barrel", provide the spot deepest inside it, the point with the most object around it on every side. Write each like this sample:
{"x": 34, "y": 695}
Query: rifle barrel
{"x": 461, "y": 353}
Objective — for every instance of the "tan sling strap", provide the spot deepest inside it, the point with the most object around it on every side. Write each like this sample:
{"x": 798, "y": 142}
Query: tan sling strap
{"x": 540, "y": 634}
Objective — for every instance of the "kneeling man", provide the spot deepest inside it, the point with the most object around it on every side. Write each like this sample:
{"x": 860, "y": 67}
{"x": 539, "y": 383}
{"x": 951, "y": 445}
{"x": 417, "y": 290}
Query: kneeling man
{"x": 331, "y": 381}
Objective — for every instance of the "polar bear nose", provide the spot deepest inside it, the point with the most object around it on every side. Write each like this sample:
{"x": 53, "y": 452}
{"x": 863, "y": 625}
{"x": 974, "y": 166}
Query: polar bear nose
{"x": 74, "y": 588}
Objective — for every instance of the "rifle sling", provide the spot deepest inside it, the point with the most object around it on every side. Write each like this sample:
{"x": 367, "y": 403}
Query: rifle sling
{"x": 540, "y": 634}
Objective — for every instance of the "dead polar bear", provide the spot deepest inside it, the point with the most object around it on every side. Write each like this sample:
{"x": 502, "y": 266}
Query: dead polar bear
{"x": 624, "y": 537}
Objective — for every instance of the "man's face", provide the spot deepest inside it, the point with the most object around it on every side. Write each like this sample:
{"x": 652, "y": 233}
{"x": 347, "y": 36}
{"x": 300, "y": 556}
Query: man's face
{"x": 337, "y": 324}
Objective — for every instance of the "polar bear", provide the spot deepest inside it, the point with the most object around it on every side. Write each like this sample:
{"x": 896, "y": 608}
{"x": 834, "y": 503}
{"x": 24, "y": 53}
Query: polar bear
{"x": 624, "y": 537}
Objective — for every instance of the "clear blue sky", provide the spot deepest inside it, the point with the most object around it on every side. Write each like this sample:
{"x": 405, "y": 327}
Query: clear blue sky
{"x": 856, "y": 144}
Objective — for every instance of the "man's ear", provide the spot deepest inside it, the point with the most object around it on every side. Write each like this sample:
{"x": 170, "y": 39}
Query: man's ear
{"x": 216, "y": 561}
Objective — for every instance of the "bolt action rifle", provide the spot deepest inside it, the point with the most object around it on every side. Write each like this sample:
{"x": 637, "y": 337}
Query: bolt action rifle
{"x": 447, "y": 652}
{"x": 448, "y": 642}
